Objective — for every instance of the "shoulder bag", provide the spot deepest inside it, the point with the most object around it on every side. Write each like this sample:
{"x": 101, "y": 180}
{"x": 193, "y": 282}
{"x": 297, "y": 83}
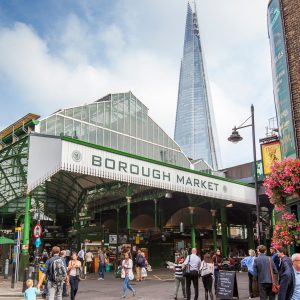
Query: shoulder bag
{"x": 187, "y": 269}
{"x": 275, "y": 286}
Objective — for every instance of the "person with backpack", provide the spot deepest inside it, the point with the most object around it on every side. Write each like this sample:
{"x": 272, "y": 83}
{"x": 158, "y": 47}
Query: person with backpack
{"x": 74, "y": 269}
{"x": 56, "y": 273}
{"x": 139, "y": 261}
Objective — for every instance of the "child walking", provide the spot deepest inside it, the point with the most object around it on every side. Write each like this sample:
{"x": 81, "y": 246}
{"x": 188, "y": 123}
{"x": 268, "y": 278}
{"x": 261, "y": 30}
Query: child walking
{"x": 31, "y": 292}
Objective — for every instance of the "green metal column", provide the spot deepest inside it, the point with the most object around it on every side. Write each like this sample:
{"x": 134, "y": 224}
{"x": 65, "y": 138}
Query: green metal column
{"x": 193, "y": 233}
{"x": 24, "y": 259}
{"x": 214, "y": 228}
{"x": 155, "y": 214}
{"x": 224, "y": 231}
{"x": 128, "y": 197}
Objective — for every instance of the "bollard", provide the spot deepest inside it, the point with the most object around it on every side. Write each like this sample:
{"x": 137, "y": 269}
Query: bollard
{"x": 13, "y": 281}
{"x": 26, "y": 276}
{"x": 6, "y": 267}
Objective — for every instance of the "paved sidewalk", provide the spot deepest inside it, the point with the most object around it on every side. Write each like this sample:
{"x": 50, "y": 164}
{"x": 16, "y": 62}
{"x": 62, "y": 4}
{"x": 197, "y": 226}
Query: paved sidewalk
{"x": 158, "y": 286}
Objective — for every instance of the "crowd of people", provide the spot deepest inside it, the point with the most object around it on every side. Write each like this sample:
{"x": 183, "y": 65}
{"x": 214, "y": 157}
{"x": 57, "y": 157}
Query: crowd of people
{"x": 277, "y": 274}
{"x": 267, "y": 275}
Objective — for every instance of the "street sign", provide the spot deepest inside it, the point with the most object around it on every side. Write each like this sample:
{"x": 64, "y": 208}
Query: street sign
{"x": 113, "y": 239}
{"x": 37, "y": 231}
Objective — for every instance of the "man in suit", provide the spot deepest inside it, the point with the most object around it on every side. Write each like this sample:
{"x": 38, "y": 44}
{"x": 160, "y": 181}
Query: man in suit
{"x": 285, "y": 262}
{"x": 262, "y": 271}
{"x": 290, "y": 281}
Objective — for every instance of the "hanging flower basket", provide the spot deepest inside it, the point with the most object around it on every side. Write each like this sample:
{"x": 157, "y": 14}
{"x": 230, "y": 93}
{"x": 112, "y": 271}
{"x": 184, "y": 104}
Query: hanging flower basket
{"x": 286, "y": 231}
{"x": 283, "y": 182}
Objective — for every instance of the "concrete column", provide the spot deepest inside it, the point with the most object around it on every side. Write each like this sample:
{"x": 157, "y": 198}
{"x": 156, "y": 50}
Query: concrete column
{"x": 214, "y": 227}
{"x": 224, "y": 231}
{"x": 193, "y": 233}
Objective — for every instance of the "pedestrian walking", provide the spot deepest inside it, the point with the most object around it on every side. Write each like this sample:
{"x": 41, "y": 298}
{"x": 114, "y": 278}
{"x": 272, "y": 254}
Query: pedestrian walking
{"x": 285, "y": 262}
{"x": 217, "y": 261}
{"x": 31, "y": 292}
{"x": 101, "y": 268}
{"x": 68, "y": 256}
{"x": 56, "y": 273}
{"x": 144, "y": 267}
{"x": 179, "y": 279}
{"x": 248, "y": 262}
{"x": 81, "y": 255}
{"x": 290, "y": 281}
{"x": 127, "y": 275}
{"x": 74, "y": 270}
{"x": 206, "y": 272}
{"x": 275, "y": 257}
{"x": 263, "y": 267}
{"x": 63, "y": 257}
{"x": 139, "y": 260}
{"x": 89, "y": 259}
{"x": 192, "y": 268}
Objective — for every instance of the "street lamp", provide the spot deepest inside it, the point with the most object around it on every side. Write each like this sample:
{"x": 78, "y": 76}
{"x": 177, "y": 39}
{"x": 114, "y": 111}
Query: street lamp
{"x": 235, "y": 138}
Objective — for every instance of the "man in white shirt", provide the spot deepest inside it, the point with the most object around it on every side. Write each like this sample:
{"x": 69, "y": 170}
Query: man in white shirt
{"x": 89, "y": 259}
{"x": 81, "y": 255}
{"x": 192, "y": 263}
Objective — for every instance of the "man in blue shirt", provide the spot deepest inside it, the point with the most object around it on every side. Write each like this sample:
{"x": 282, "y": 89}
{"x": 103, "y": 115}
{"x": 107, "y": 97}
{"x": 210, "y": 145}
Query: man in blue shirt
{"x": 290, "y": 281}
{"x": 248, "y": 262}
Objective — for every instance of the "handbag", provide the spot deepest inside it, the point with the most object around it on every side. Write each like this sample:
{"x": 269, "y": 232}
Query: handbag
{"x": 275, "y": 286}
{"x": 205, "y": 271}
{"x": 187, "y": 270}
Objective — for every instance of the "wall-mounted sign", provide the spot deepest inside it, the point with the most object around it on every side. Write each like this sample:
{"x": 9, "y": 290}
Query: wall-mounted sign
{"x": 37, "y": 231}
{"x": 281, "y": 86}
{"x": 270, "y": 152}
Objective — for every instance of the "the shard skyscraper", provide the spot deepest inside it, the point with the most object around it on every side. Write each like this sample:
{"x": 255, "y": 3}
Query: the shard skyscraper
{"x": 195, "y": 127}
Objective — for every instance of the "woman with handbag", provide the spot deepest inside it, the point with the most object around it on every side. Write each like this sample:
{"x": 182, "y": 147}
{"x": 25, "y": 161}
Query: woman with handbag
{"x": 206, "y": 272}
{"x": 74, "y": 270}
{"x": 127, "y": 275}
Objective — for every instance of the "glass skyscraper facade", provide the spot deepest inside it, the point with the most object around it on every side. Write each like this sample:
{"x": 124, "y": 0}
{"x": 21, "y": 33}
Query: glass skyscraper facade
{"x": 195, "y": 129}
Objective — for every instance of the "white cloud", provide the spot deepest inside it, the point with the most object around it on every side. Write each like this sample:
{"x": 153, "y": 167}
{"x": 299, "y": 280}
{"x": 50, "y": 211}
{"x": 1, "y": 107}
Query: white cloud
{"x": 140, "y": 50}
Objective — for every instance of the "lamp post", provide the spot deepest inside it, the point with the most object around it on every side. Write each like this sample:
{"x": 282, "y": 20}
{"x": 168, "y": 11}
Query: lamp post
{"x": 235, "y": 138}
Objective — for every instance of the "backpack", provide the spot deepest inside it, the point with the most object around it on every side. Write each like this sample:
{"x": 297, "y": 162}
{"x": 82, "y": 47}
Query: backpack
{"x": 140, "y": 260}
{"x": 58, "y": 270}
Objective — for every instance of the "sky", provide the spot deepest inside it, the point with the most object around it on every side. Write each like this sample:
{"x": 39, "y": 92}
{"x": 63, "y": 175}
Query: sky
{"x": 56, "y": 54}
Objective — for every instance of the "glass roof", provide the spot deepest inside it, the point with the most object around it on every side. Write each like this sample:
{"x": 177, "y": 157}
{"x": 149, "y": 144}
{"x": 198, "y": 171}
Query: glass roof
{"x": 117, "y": 121}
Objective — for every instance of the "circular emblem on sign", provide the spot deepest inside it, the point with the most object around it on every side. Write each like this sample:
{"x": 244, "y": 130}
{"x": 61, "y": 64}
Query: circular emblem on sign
{"x": 76, "y": 155}
{"x": 224, "y": 188}
{"x": 37, "y": 231}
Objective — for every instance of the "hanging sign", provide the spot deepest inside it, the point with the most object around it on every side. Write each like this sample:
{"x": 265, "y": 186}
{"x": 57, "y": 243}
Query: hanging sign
{"x": 37, "y": 231}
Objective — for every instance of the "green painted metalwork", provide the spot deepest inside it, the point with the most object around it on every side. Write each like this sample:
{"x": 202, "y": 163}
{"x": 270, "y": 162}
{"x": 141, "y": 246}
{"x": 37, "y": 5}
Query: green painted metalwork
{"x": 193, "y": 232}
{"x": 224, "y": 231}
{"x": 26, "y": 234}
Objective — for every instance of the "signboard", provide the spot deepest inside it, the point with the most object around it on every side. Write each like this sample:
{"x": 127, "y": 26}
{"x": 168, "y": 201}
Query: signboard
{"x": 227, "y": 285}
{"x": 281, "y": 84}
{"x": 37, "y": 231}
{"x": 113, "y": 239}
{"x": 79, "y": 157}
{"x": 270, "y": 152}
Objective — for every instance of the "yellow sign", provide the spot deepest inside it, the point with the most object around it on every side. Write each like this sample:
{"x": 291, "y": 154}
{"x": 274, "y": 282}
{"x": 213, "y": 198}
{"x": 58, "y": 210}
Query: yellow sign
{"x": 18, "y": 228}
{"x": 270, "y": 152}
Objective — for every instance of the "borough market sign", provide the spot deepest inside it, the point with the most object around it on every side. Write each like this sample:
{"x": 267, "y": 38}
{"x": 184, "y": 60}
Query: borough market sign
{"x": 79, "y": 157}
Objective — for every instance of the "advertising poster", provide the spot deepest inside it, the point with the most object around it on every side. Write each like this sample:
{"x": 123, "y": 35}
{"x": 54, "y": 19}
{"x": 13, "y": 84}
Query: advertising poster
{"x": 281, "y": 85}
{"x": 270, "y": 153}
